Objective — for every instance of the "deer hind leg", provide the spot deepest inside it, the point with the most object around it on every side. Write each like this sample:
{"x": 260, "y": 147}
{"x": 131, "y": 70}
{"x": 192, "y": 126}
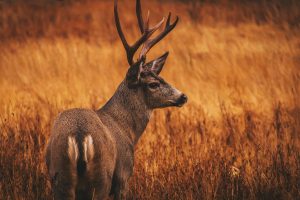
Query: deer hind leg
{"x": 65, "y": 179}
{"x": 64, "y": 185}
{"x": 102, "y": 185}
{"x": 101, "y": 191}
{"x": 86, "y": 194}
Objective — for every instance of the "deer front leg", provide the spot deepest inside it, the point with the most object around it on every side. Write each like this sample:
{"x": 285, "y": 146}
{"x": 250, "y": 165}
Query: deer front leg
{"x": 120, "y": 180}
{"x": 121, "y": 190}
{"x": 120, "y": 183}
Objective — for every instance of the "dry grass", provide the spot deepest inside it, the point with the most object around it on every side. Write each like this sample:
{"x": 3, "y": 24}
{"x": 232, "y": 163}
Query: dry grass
{"x": 237, "y": 138}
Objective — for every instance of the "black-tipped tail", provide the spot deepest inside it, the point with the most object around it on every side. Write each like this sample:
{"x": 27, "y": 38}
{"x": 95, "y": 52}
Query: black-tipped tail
{"x": 81, "y": 167}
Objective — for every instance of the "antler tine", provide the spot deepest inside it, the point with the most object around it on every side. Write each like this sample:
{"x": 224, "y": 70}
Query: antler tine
{"x": 130, "y": 50}
{"x": 139, "y": 15}
{"x": 120, "y": 32}
{"x": 150, "y": 43}
{"x": 154, "y": 28}
{"x": 144, "y": 28}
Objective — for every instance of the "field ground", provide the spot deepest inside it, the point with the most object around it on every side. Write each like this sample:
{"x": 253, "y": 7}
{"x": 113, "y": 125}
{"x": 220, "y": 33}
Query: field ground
{"x": 239, "y": 63}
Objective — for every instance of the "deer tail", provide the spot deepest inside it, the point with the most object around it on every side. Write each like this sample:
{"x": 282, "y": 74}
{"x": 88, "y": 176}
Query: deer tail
{"x": 81, "y": 152}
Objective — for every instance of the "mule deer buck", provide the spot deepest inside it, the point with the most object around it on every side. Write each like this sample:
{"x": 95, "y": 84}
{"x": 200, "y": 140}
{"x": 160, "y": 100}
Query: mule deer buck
{"x": 90, "y": 153}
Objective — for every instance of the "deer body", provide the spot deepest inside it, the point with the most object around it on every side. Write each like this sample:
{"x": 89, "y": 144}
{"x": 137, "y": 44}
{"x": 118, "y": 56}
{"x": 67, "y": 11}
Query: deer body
{"x": 114, "y": 129}
{"x": 90, "y": 153}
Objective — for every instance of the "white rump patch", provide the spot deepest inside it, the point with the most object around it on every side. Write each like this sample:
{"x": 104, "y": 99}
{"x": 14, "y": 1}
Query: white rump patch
{"x": 72, "y": 149}
{"x": 88, "y": 148}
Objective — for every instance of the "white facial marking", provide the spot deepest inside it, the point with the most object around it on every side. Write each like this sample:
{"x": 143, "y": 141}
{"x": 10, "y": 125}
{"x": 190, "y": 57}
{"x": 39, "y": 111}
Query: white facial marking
{"x": 177, "y": 92}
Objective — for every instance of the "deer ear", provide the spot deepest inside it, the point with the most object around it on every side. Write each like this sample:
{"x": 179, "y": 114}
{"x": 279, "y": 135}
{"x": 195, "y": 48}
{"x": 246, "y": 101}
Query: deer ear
{"x": 157, "y": 64}
{"x": 133, "y": 73}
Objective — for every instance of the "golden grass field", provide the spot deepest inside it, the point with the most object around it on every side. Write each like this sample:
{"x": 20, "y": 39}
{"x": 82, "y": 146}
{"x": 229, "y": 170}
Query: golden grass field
{"x": 239, "y": 63}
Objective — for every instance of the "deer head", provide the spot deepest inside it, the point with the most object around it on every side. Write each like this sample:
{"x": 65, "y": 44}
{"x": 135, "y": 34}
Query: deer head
{"x": 143, "y": 75}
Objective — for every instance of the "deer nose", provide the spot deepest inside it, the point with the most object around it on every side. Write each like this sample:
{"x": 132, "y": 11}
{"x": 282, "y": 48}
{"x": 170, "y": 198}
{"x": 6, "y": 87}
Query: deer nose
{"x": 183, "y": 99}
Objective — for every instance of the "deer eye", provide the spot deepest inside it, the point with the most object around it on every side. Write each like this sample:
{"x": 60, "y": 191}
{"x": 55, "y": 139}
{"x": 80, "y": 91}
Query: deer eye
{"x": 143, "y": 74}
{"x": 153, "y": 85}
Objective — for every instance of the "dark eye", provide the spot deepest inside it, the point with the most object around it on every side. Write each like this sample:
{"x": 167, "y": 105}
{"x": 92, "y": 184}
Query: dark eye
{"x": 143, "y": 74}
{"x": 153, "y": 85}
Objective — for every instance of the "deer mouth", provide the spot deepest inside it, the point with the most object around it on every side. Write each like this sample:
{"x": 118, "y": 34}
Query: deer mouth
{"x": 180, "y": 104}
{"x": 180, "y": 101}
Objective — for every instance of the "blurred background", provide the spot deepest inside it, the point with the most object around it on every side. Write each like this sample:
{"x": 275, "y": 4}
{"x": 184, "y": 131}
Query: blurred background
{"x": 237, "y": 60}
{"x": 240, "y": 52}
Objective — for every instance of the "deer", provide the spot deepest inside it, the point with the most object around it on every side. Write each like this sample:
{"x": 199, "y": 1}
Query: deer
{"x": 90, "y": 154}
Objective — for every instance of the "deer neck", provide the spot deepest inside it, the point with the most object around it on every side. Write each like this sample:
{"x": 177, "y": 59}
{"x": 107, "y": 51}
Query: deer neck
{"x": 127, "y": 107}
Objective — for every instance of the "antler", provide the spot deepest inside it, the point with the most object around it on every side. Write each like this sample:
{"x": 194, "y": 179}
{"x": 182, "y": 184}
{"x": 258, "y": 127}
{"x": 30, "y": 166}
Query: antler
{"x": 150, "y": 43}
{"x": 145, "y": 30}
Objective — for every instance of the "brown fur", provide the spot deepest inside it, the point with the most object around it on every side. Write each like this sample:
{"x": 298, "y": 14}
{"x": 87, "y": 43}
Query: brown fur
{"x": 114, "y": 129}
{"x": 90, "y": 153}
